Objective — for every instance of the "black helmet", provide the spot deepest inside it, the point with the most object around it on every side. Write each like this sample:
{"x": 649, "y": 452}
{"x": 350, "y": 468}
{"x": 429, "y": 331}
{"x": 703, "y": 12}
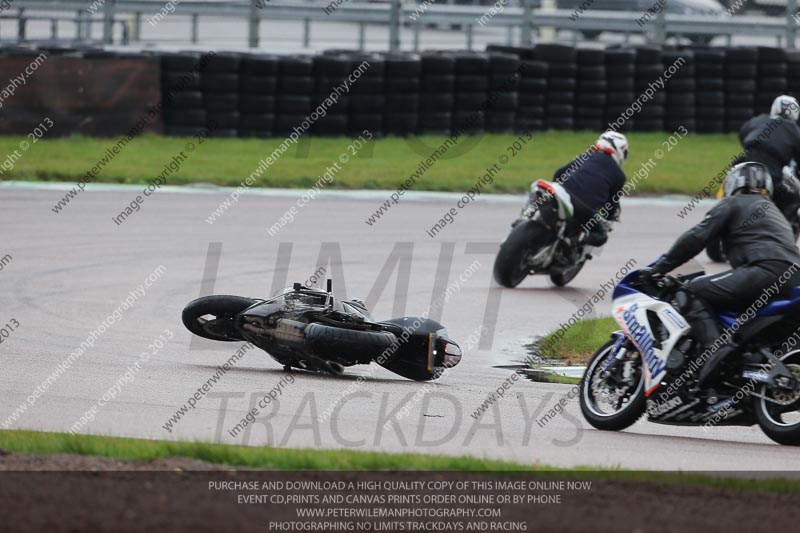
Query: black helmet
{"x": 748, "y": 178}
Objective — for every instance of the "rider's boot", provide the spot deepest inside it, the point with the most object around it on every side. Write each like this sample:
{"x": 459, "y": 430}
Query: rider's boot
{"x": 706, "y": 330}
{"x": 597, "y": 236}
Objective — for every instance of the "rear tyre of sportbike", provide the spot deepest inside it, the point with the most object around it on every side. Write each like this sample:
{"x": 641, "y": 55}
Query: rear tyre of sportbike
{"x": 715, "y": 251}
{"x": 331, "y": 342}
{"x": 511, "y": 264}
{"x": 781, "y": 423}
{"x": 214, "y": 317}
{"x": 561, "y": 279}
{"x": 632, "y": 408}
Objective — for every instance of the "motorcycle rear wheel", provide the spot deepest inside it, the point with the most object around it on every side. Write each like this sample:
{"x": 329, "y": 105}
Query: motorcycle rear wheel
{"x": 715, "y": 252}
{"x": 213, "y": 317}
{"x": 772, "y": 417}
{"x": 511, "y": 264}
{"x": 632, "y": 408}
{"x": 331, "y": 343}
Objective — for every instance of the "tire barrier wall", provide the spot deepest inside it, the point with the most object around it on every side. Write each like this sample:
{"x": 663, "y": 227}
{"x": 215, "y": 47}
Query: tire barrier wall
{"x": 505, "y": 89}
{"x": 85, "y": 93}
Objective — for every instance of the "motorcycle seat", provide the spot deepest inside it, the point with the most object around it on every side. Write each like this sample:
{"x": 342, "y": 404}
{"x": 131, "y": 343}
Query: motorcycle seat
{"x": 774, "y": 308}
{"x": 550, "y": 189}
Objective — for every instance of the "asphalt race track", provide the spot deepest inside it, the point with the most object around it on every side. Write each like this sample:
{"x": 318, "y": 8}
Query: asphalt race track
{"x": 69, "y": 271}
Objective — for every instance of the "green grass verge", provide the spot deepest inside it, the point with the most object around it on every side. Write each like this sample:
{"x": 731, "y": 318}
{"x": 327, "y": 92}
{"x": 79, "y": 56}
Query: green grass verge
{"x": 579, "y": 341}
{"x": 23, "y": 441}
{"x": 384, "y": 163}
{"x": 241, "y": 456}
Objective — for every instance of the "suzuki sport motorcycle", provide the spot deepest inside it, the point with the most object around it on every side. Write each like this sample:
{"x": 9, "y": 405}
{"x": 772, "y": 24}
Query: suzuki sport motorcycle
{"x": 309, "y": 329}
{"x": 539, "y": 242}
{"x": 650, "y": 366}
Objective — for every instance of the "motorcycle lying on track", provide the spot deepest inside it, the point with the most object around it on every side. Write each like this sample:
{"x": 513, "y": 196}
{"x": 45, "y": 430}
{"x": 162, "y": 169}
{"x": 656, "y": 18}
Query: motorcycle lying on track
{"x": 656, "y": 352}
{"x": 539, "y": 241}
{"x": 309, "y": 329}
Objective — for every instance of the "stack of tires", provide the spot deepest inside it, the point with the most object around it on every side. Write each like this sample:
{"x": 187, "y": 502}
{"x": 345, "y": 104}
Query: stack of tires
{"x": 437, "y": 94}
{"x": 562, "y": 70}
{"x": 621, "y": 88}
{"x": 401, "y": 111}
{"x": 590, "y": 96}
{"x": 741, "y": 71}
{"x": 330, "y": 72}
{"x": 258, "y": 82}
{"x": 471, "y": 94}
{"x": 367, "y": 99}
{"x": 793, "y": 72}
{"x": 503, "y": 97}
{"x": 772, "y": 71}
{"x": 710, "y": 104}
{"x": 294, "y": 101}
{"x": 532, "y": 95}
{"x": 649, "y": 69}
{"x": 182, "y": 96}
{"x": 680, "y": 87}
{"x": 220, "y": 80}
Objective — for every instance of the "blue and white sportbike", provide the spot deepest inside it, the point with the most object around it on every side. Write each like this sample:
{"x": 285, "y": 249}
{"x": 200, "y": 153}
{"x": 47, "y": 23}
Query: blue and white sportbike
{"x": 651, "y": 366}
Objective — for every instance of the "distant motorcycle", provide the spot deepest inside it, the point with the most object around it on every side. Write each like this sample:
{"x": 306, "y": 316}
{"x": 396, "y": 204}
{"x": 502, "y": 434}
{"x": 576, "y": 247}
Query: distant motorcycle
{"x": 650, "y": 366}
{"x": 538, "y": 242}
{"x": 309, "y": 329}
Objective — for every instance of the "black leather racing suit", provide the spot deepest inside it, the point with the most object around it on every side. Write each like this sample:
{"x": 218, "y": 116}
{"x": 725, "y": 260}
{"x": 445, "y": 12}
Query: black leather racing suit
{"x": 592, "y": 185}
{"x": 774, "y": 141}
{"x": 760, "y": 245}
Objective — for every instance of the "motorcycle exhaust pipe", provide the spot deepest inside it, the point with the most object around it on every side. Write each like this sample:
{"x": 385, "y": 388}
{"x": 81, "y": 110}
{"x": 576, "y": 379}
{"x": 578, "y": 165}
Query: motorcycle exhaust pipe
{"x": 289, "y": 330}
{"x": 335, "y": 368}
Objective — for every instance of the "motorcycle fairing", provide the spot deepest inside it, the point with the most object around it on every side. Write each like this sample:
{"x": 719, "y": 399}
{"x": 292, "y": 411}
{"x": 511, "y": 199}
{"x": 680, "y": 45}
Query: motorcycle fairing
{"x": 631, "y": 312}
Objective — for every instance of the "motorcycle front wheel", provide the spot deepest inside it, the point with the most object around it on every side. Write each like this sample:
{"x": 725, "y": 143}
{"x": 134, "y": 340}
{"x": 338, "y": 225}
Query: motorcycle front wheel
{"x": 561, "y": 279}
{"x": 214, "y": 317}
{"x": 603, "y": 403}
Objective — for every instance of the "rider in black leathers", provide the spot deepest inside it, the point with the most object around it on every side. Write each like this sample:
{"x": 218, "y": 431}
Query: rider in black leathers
{"x": 760, "y": 245}
{"x": 774, "y": 140}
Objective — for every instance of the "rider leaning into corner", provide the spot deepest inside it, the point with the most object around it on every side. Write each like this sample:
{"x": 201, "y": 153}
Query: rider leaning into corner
{"x": 774, "y": 140}
{"x": 594, "y": 182}
{"x": 759, "y": 243}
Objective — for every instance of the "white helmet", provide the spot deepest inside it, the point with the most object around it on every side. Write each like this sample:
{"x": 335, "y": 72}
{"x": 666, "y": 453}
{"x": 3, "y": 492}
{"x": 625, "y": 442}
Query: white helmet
{"x": 787, "y": 107}
{"x": 615, "y": 144}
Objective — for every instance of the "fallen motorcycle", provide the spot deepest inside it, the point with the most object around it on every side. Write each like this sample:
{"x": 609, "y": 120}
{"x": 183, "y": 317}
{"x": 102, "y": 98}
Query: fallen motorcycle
{"x": 309, "y": 329}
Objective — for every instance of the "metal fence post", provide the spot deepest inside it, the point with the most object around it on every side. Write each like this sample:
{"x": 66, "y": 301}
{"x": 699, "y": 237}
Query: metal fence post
{"x": 394, "y": 25}
{"x": 108, "y": 21}
{"x": 195, "y": 24}
{"x": 791, "y": 23}
{"x": 21, "y": 26}
{"x": 661, "y": 27}
{"x": 527, "y": 20}
{"x": 252, "y": 26}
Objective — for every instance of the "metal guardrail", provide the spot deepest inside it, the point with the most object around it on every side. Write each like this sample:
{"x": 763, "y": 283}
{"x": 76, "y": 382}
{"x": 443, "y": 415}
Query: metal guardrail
{"x": 397, "y": 14}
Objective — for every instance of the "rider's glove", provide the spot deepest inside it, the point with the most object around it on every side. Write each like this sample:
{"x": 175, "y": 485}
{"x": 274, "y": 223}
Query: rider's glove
{"x": 651, "y": 273}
